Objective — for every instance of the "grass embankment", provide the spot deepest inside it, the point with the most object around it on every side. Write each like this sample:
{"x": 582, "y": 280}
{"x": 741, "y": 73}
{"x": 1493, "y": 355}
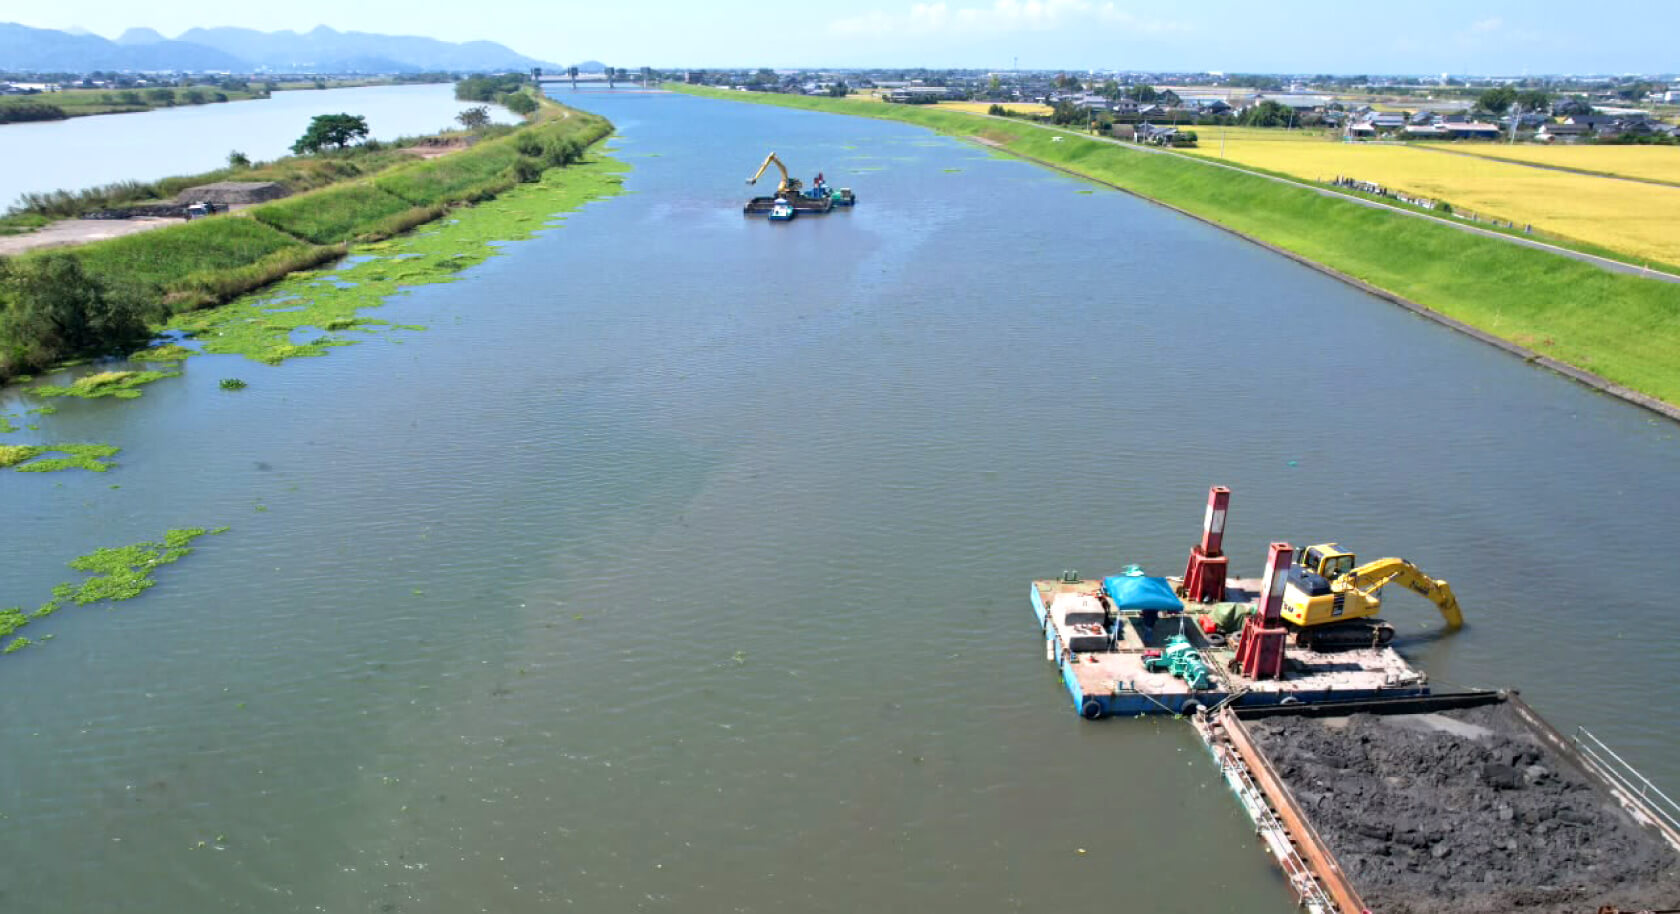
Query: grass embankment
{"x": 81, "y": 102}
{"x": 1622, "y": 328}
{"x": 208, "y": 262}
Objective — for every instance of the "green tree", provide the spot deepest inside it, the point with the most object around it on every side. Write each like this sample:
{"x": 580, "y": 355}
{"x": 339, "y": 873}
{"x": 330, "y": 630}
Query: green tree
{"x": 475, "y": 118}
{"x": 1497, "y": 100}
{"x": 160, "y": 96}
{"x": 237, "y": 159}
{"x": 194, "y": 97}
{"x": 1144, "y": 94}
{"x": 520, "y": 103}
{"x": 335, "y": 130}
{"x": 1266, "y": 114}
{"x": 51, "y": 309}
{"x": 130, "y": 97}
{"x": 1534, "y": 100}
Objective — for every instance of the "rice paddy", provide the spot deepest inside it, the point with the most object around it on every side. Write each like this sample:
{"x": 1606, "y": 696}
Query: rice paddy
{"x": 984, "y": 107}
{"x": 1643, "y": 163}
{"x": 1634, "y": 219}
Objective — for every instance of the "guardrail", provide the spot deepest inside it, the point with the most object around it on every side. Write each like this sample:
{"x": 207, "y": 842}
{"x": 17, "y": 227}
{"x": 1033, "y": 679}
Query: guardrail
{"x": 1627, "y": 777}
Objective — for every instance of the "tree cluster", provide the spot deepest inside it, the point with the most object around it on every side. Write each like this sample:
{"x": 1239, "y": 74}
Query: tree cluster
{"x": 31, "y": 111}
{"x": 51, "y": 309}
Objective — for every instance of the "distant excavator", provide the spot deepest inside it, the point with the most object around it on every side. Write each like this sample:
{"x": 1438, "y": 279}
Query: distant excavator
{"x": 1328, "y": 603}
{"x": 791, "y": 197}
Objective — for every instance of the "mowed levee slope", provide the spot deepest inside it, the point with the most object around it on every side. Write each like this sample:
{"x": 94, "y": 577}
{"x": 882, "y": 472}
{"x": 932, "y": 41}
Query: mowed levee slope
{"x": 1621, "y": 328}
{"x": 1635, "y": 219}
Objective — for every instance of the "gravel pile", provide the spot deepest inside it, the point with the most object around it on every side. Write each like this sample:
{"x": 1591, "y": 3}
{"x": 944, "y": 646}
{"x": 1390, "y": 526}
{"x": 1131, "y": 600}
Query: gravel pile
{"x": 1463, "y": 811}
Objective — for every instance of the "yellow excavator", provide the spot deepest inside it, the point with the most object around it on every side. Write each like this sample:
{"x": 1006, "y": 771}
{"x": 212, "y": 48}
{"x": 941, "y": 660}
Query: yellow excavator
{"x": 789, "y": 185}
{"x": 1329, "y": 603}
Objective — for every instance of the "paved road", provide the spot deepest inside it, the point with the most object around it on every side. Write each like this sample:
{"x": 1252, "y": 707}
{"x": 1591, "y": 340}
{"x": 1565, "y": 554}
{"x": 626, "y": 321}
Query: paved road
{"x": 1605, "y": 263}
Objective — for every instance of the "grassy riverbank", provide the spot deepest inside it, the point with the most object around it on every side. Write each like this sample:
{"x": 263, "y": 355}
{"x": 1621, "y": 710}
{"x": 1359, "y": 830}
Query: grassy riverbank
{"x": 55, "y": 106}
{"x": 1622, "y": 328}
{"x": 207, "y": 262}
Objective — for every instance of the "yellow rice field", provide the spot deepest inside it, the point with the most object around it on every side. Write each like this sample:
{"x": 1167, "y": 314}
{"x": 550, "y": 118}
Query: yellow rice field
{"x": 983, "y": 107}
{"x": 1651, "y": 163}
{"x": 1633, "y": 218}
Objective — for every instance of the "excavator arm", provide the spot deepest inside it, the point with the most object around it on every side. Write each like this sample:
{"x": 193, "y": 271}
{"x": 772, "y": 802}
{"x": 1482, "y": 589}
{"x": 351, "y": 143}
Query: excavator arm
{"x": 788, "y": 184}
{"x": 1374, "y": 576}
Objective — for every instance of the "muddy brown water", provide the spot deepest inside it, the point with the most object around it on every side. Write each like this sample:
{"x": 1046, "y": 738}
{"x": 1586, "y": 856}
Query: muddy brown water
{"x": 682, "y": 563}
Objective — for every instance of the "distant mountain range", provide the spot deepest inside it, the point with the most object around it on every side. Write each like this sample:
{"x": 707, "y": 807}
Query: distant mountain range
{"x": 319, "y": 50}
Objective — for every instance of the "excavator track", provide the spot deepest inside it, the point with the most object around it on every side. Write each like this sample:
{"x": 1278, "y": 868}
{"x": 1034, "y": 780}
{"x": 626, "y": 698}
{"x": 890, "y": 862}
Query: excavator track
{"x": 1345, "y": 636}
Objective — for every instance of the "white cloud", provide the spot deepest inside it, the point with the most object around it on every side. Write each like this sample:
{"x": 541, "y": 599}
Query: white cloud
{"x": 1491, "y": 24}
{"x": 1001, "y": 17}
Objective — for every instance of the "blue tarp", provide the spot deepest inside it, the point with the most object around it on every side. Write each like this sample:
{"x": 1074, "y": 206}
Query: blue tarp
{"x": 1144, "y": 593}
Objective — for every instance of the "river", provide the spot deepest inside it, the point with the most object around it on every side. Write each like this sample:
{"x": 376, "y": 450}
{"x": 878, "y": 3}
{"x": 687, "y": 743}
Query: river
{"x": 682, "y": 564}
{"x": 89, "y": 151}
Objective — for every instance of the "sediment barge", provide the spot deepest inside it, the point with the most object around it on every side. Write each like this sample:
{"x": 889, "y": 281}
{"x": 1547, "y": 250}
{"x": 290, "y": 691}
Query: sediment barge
{"x": 1373, "y": 792}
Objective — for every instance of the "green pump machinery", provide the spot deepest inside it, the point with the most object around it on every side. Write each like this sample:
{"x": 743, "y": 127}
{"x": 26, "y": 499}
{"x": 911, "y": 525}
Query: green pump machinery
{"x": 1181, "y": 659}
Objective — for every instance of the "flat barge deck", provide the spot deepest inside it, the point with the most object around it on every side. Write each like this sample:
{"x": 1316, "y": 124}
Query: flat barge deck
{"x": 1361, "y": 783}
{"x": 1101, "y": 656}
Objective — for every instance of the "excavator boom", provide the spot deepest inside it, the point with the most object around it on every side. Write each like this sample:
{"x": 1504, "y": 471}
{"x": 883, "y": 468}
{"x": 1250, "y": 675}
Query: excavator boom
{"x": 1374, "y": 576}
{"x": 787, "y": 185}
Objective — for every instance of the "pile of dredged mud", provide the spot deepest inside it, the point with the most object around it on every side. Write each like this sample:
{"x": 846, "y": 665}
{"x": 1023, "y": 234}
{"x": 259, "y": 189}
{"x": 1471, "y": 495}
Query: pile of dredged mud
{"x": 1465, "y": 811}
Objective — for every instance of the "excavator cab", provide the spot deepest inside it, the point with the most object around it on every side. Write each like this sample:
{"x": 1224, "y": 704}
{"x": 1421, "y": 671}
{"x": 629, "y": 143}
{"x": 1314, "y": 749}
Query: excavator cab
{"x": 1327, "y": 560}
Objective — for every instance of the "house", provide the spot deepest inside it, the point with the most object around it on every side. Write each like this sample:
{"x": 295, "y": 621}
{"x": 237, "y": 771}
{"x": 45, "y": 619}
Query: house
{"x": 1421, "y": 119}
{"x": 1423, "y": 132}
{"x": 1299, "y": 103}
{"x": 1564, "y": 107}
{"x": 917, "y": 93}
{"x": 1551, "y": 133}
{"x": 1384, "y": 121}
{"x": 1361, "y": 131}
{"x": 1213, "y": 106}
{"x": 1472, "y": 131}
{"x": 1159, "y": 136}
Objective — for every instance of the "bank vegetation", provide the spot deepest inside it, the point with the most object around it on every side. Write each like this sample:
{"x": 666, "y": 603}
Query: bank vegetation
{"x": 108, "y": 297}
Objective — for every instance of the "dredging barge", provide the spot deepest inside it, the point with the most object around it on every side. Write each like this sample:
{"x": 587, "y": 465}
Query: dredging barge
{"x": 1285, "y": 715}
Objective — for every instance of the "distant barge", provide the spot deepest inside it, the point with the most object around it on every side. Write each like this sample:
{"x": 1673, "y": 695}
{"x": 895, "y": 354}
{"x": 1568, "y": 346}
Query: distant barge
{"x": 1217, "y": 650}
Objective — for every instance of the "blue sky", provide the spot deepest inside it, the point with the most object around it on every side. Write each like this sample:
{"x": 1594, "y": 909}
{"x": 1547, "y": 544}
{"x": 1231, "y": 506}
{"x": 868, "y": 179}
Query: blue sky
{"x": 1420, "y": 36}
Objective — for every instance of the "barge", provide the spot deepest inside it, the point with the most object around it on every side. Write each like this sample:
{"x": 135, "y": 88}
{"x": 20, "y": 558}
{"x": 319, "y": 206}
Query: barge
{"x": 1360, "y": 780}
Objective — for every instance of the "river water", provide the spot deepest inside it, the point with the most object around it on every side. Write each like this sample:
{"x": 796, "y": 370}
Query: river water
{"x": 682, "y": 564}
{"x": 89, "y": 151}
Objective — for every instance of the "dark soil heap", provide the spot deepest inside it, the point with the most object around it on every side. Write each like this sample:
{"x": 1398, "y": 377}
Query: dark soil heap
{"x": 1475, "y": 821}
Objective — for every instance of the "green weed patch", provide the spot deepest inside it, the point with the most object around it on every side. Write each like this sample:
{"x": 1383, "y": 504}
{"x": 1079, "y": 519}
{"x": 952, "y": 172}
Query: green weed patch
{"x": 114, "y": 574}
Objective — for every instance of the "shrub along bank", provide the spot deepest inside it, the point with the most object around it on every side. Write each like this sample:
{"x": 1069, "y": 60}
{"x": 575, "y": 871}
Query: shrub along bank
{"x": 1619, "y": 327}
{"x": 145, "y": 278}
